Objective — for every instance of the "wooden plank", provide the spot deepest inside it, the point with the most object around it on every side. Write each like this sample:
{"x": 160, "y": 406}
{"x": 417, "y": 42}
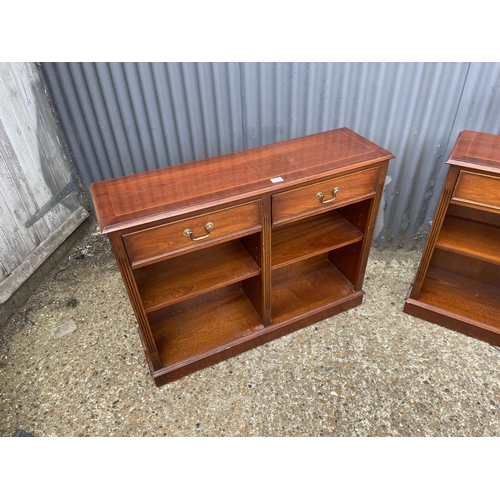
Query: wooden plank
{"x": 36, "y": 258}
{"x": 30, "y": 157}
{"x": 468, "y": 267}
{"x": 53, "y": 163}
{"x": 470, "y": 238}
{"x": 302, "y": 287}
{"x": 310, "y": 237}
{"x": 192, "y": 274}
{"x": 10, "y": 258}
{"x": 461, "y": 296}
{"x": 21, "y": 136}
{"x": 208, "y": 328}
{"x": 16, "y": 242}
{"x": 3, "y": 271}
{"x": 458, "y": 323}
{"x": 17, "y": 192}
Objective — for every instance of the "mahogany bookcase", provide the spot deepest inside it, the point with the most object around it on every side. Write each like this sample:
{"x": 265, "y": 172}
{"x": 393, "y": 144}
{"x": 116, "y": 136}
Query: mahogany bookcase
{"x": 224, "y": 254}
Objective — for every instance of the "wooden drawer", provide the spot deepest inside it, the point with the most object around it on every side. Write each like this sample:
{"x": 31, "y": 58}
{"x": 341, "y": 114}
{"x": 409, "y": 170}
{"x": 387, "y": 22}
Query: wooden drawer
{"x": 154, "y": 244}
{"x": 305, "y": 201}
{"x": 478, "y": 189}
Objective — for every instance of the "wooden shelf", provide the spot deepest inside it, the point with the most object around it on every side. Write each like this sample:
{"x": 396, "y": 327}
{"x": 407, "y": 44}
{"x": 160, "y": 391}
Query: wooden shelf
{"x": 201, "y": 330}
{"x": 461, "y": 296}
{"x": 312, "y": 236}
{"x": 470, "y": 238}
{"x": 192, "y": 274}
{"x": 305, "y": 286}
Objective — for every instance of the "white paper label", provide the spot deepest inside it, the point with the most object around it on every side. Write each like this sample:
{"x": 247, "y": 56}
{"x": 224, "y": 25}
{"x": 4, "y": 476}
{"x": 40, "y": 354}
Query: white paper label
{"x": 277, "y": 179}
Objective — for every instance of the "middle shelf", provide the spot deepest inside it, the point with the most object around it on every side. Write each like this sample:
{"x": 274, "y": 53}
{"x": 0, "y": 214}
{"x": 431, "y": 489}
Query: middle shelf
{"x": 309, "y": 237}
{"x": 189, "y": 275}
{"x": 470, "y": 238}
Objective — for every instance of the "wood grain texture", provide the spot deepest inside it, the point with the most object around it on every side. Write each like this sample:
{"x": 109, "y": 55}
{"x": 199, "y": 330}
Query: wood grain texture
{"x": 441, "y": 209}
{"x": 463, "y": 297}
{"x": 303, "y": 201}
{"x": 348, "y": 260}
{"x": 473, "y": 214}
{"x": 33, "y": 169}
{"x": 454, "y": 322}
{"x": 145, "y": 332}
{"x": 141, "y": 198}
{"x": 466, "y": 266}
{"x": 195, "y": 332}
{"x": 310, "y": 237}
{"x": 305, "y": 286}
{"x": 476, "y": 150}
{"x": 363, "y": 215}
{"x": 192, "y": 274}
{"x": 471, "y": 239}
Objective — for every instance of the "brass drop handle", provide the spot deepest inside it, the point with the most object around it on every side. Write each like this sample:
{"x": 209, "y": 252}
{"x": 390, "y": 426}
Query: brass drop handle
{"x": 208, "y": 227}
{"x": 320, "y": 195}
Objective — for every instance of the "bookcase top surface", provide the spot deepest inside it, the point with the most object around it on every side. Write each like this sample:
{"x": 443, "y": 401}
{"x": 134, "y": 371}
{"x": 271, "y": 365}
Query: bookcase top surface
{"x": 476, "y": 150}
{"x": 145, "y": 197}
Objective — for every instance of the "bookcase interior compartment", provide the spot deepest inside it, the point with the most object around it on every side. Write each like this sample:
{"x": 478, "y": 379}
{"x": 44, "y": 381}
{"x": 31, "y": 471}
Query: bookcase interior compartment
{"x": 203, "y": 324}
{"x": 191, "y": 274}
{"x": 312, "y": 236}
{"x": 307, "y": 285}
{"x": 471, "y": 232}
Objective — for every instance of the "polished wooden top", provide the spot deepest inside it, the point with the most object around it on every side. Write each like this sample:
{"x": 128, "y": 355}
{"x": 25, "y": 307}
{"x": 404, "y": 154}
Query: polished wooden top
{"x": 149, "y": 196}
{"x": 476, "y": 149}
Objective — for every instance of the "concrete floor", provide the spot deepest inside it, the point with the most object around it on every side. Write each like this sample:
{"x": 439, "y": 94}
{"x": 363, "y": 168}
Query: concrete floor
{"x": 371, "y": 371}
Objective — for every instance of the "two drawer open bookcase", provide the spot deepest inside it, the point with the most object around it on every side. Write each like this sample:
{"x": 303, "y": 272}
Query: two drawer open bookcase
{"x": 224, "y": 254}
{"x": 457, "y": 284}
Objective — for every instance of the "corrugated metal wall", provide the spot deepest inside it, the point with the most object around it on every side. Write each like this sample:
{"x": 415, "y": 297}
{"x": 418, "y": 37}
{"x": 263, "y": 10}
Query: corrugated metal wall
{"x": 129, "y": 117}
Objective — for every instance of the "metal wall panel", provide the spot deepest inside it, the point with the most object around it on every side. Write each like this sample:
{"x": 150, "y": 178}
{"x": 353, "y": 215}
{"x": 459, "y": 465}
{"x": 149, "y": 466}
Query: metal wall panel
{"x": 122, "y": 118}
{"x": 129, "y": 117}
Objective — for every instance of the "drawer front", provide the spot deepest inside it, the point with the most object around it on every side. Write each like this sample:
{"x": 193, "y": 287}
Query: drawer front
{"x": 478, "y": 189}
{"x": 154, "y": 244}
{"x": 337, "y": 191}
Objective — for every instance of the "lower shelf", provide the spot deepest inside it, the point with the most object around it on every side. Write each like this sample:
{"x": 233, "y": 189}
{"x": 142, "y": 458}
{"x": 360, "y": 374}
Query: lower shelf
{"x": 462, "y": 296}
{"x": 239, "y": 343}
{"x": 305, "y": 286}
{"x": 458, "y": 303}
{"x": 197, "y": 334}
{"x": 206, "y": 327}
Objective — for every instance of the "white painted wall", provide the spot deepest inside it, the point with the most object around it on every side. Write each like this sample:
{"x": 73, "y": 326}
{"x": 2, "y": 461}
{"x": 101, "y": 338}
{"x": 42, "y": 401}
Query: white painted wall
{"x": 33, "y": 169}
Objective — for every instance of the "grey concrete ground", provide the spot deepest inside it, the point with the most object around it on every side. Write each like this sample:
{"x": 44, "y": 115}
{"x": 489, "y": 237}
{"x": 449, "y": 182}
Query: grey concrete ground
{"x": 71, "y": 364}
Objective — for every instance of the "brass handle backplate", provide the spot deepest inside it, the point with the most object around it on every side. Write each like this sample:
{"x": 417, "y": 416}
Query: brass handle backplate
{"x": 208, "y": 227}
{"x": 320, "y": 195}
